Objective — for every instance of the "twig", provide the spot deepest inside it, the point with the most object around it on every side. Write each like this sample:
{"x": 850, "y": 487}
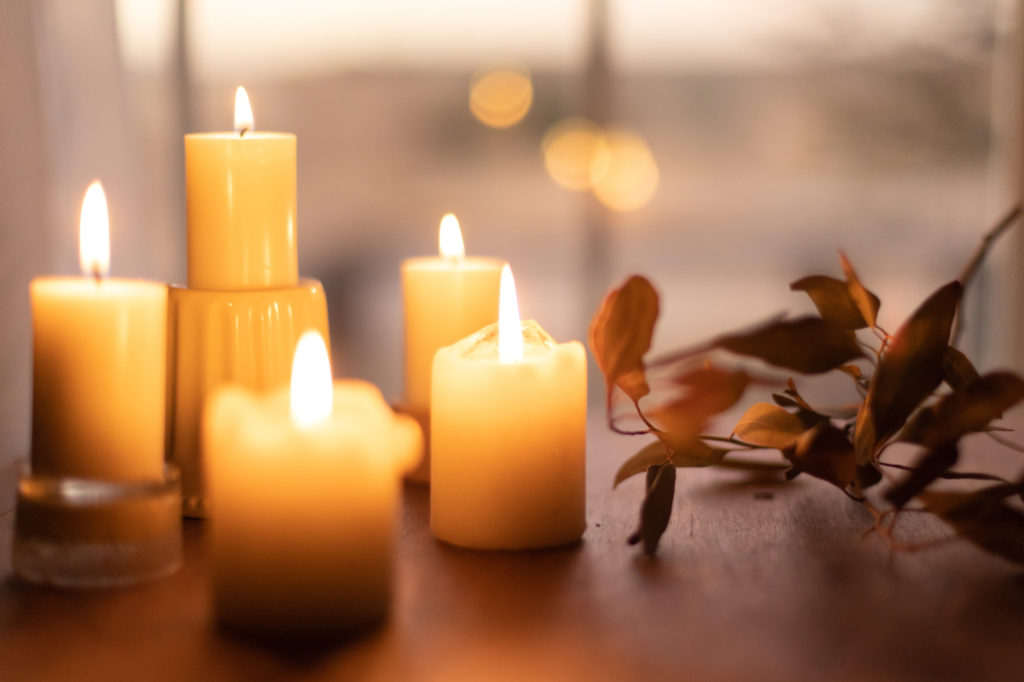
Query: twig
{"x": 951, "y": 475}
{"x": 976, "y": 260}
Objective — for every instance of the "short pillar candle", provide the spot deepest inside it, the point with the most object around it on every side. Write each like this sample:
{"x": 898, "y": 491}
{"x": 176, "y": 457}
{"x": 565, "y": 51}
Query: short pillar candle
{"x": 508, "y": 436}
{"x": 304, "y": 484}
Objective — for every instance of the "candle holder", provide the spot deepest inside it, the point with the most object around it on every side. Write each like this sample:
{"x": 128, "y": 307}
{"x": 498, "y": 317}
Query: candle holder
{"x": 421, "y": 473}
{"x": 243, "y": 337}
{"x": 84, "y": 533}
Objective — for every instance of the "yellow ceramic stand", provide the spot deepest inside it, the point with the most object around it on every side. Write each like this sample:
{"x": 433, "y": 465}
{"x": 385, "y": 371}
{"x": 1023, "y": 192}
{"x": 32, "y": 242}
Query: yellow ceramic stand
{"x": 219, "y": 337}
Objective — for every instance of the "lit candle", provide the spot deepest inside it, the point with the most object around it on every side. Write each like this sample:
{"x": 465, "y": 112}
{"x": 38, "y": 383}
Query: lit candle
{"x": 304, "y": 484}
{"x": 445, "y": 298}
{"x": 240, "y": 190}
{"x": 508, "y": 436}
{"x": 99, "y": 365}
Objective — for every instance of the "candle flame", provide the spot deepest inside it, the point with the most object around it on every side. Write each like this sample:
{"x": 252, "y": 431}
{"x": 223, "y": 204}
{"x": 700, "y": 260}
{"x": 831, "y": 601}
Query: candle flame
{"x": 510, "y": 331}
{"x": 94, "y": 232}
{"x": 449, "y": 237}
{"x": 243, "y": 112}
{"x": 312, "y": 395}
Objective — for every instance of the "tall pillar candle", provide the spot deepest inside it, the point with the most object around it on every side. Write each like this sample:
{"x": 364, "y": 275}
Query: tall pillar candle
{"x": 240, "y": 190}
{"x": 508, "y": 437}
{"x": 99, "y": 366}
{"x": 304, "y": 485}
{"x": 445, "y": 298}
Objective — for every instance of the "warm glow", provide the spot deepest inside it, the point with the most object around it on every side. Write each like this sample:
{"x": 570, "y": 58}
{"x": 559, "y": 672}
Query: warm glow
{"x": 570, "y": 147}
{"x": 510, "y": 331}
{"x": 312, "y": 396}
{"x": 623, "y": 174}
{"x": 243, "y": 112}
{"x": 500, "y": 98}
{"x": 94, "y": 232}
{"x": 449, "y": 237}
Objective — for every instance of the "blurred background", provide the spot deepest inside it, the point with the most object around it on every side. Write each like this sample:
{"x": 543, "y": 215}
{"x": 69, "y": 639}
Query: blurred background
{"x": 723, "y": 148}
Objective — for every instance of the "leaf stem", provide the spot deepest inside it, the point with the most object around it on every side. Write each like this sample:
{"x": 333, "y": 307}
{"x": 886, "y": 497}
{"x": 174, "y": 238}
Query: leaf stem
{"x": 1005, "y": 441}
{"x": 951, "y": 475}
{"x": 733, "y": 440}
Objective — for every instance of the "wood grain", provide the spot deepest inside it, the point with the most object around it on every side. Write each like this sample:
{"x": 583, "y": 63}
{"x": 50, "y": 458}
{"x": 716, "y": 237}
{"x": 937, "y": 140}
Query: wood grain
{"x": 756, "y": 579}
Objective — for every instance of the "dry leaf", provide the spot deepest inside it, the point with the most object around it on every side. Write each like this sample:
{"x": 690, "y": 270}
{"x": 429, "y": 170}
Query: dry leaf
{"x": 867, "y": 303}
{"x": 965, "y": 410}
{"x": 832, "y": 299}
{"x": 709, "y": 392}
{"x": 928, "y": 468}
{"x": 957, "y": 370}
{"x": 657, "y": 507}
{"x": 909, "y": 371}
{"x": 698, "y": 454}
{"x": 620, "y": 335}
{"x": 808, "y": 345}
{"x": 983, "y": 517}
{"x": 769, "y": 426}
{"x": 824, "y": 452}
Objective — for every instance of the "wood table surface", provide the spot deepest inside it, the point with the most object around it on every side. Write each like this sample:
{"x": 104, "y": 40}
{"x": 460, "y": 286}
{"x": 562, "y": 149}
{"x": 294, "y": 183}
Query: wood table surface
{"x": 756, "y": 580}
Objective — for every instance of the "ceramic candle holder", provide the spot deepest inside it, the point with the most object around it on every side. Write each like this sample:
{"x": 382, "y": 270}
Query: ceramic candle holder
{"x": 229, "y": 337}
{"x": 85, "y": 533}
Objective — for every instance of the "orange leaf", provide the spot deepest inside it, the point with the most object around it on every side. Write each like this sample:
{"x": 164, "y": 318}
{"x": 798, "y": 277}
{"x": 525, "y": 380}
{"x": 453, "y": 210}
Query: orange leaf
{"x": 620, "y": 335}
{"x": 710, "y": 391}
{"x": 867, "y": 303}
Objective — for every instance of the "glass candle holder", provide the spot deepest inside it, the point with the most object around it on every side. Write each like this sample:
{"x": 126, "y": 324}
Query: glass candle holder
{"x": 83, "y": 533}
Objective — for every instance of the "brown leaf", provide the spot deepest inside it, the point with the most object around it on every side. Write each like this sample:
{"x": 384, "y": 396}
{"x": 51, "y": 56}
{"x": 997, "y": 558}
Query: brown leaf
{"x": 982, "y": 517}
{"x": 824, "y": 452}
{"x": 656, "y": 508}
{"x": 698, "y": 454}
{"x": 709, "y": 392}
{"x": 928, "y": 468}
{"x": 832, "y": 299}
{"x": 795, "y": 395}
{"x": 867, "y": 303}
{"x": 957, "y": 370}
{"x": 910, "y": 369}
{"x": 769, "y": 426}
{"x": 808, "y": 344}
{"x": 620, "y": 335}
{"x": 867, "y": 475}
{"x": 965, "y": 410}
{"x": 853, "y": 370}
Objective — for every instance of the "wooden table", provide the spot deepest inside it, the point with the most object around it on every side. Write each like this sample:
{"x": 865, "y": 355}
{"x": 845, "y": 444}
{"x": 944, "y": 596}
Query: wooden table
{"x": 756, "y": 580}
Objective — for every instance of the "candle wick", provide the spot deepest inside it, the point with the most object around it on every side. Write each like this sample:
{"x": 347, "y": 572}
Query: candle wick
{"x": 97, "y": 273}
{"x": 243, "y": 131}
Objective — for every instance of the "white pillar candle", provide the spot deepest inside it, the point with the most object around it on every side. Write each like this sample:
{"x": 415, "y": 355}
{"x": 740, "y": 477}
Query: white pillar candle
{"x": 508, "y": 436}
{"x": 304, "y": 485}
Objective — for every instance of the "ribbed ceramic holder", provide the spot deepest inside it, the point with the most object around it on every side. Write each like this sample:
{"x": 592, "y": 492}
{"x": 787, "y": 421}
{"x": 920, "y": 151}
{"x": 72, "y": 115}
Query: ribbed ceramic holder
{"x": 83, "y": 533}
{"x": 222, "y": 337}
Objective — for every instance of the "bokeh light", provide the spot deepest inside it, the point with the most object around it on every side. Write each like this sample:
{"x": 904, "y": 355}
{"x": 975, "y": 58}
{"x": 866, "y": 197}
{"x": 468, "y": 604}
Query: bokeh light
{"x": 623, "y": 173}
{"x": 501, "y": 97}
{"x": 569, "y": 148}
{"x": 615, "y": 164}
